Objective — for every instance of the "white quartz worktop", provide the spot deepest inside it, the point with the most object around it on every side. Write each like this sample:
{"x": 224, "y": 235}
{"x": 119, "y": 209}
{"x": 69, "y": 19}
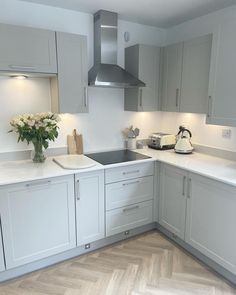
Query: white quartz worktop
{"x": 21, "y": 171}
{"x": 206, "y": 165}
{"x": 203, "y": 164}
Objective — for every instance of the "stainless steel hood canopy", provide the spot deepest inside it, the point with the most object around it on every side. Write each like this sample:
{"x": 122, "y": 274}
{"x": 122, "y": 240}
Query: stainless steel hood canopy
{"x": 106, "y": 72}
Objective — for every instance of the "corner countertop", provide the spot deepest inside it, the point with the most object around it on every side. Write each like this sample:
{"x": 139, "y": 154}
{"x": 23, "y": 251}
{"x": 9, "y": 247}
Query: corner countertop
{"x": 220, "y": 169}
{"x": 206, "y": 165}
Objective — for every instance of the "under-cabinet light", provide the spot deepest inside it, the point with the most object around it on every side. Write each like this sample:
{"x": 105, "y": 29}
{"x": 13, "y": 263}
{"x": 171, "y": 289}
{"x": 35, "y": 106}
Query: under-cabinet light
{"x": 19, "y": 77}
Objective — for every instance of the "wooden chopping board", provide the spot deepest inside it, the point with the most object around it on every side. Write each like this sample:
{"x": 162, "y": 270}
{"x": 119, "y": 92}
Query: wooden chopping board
{"x": 75, "y": 143}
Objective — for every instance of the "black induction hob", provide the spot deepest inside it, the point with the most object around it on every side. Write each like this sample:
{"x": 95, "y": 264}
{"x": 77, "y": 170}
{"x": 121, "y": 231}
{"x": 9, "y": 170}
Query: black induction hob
{"x": 114, "y": 157}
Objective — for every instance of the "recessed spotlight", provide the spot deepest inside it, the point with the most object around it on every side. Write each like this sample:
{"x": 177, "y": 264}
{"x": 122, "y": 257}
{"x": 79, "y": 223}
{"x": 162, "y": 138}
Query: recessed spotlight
{"x": 19, "y": 77}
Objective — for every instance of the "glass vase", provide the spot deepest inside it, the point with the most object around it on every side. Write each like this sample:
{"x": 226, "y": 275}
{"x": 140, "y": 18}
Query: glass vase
{"x": 38, "y": 153}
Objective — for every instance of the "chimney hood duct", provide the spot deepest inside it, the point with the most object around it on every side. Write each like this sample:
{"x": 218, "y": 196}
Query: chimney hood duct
{"x": 106, "y": 72}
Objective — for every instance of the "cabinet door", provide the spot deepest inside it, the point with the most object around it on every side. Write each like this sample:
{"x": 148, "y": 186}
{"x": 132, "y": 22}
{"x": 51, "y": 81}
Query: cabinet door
{"x": 149, "y": 62}
{"x": 90, "y": 207}
{"x": 38, "y": 219}
{"x": 27, "y": 49}
{"x": 2, "y": 262}
{"x": 171, "y": 77}
{"x": 211, "y": 219}
{"x": 195, "y": 75}
{"x": 72, "y": 96}
{"x": 221, "y": 100}
{"x": 143, "y": 61}
{"x": 173, "y": 199}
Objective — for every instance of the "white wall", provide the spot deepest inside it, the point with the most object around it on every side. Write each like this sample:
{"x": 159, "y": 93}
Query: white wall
{"x": 203, "y": 134}
{"x": 102, "y": 127}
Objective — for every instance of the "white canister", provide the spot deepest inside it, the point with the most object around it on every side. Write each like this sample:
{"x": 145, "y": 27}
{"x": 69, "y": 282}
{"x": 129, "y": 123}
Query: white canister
{"x": 131, "y": 143}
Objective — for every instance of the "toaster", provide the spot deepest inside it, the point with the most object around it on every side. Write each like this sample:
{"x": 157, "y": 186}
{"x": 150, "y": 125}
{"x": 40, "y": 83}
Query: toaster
{"x": 162, "y": 141}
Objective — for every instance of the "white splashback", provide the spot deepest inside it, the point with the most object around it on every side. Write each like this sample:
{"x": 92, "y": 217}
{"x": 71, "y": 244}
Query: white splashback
{"x": 106, "y": 119}
{"x": 102, "y": 127}
{"x": 203, "y": 134}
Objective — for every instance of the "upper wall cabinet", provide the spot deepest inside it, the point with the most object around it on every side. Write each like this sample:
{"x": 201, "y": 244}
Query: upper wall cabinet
{"x": 69, "y": 89}
{"x": 171, "y": 77}
{"x": 185, "y": 75}
{"x": 27, "y": 50}
{"x": 142, "y": 61}
{"x": 222, "y": 98}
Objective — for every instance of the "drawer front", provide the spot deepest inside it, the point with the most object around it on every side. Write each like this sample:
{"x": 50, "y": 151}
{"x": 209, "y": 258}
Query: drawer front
{"x": 129, "y": 192}
{"x": 126, "y": 218}
{"x": 129, "y": 172}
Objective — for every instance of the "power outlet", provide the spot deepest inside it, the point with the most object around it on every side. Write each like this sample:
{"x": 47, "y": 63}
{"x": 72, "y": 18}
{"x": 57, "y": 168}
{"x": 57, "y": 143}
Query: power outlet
{"x": 87, "y": 246}
{"x": 226, "y": 133}
{"x": 126, "y": 233}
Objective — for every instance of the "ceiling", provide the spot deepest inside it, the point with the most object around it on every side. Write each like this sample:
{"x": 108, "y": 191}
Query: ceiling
{"x": 160, "y": 13}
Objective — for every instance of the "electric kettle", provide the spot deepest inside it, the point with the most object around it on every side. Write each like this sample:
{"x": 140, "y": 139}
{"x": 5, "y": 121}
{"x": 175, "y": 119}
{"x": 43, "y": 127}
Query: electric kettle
{"x": 183, "y": 145}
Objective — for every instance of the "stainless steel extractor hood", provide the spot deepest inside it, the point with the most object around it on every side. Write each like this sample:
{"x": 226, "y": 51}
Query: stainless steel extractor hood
{"x": 106, "y": 72}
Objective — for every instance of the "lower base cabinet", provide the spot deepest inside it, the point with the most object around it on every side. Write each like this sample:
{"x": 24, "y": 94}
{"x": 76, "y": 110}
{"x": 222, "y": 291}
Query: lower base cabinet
{"x": 90, "y": 211}
{"x": 211, "y": 220}
{"x": 200, "y": 211}
{"x": 173, "y": 201}
{"x": 38, "y": 219}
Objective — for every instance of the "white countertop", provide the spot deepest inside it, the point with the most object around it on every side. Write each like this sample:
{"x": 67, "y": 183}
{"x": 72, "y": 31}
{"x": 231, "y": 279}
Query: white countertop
{"x": 203, "y": 164}
{"x": 206, "y": 165}
{"x": 21, "y": 171}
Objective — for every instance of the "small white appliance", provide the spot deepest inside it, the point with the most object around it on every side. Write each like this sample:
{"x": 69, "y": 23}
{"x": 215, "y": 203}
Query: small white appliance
{"x": 161, "y": 141}
{"x": 183, "y": 145}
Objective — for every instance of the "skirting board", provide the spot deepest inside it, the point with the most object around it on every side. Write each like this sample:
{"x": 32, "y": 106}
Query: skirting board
{"x": 202, "y": 258}
{"x": 33, "y": 266}
{"x": 25, "y": 269}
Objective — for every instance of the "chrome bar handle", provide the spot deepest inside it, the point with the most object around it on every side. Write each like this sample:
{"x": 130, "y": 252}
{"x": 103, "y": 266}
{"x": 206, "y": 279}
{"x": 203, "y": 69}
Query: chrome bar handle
{"x": 189, "y": 187}
{"x": 141, "y": 97}
{"x": 85, "y": 96}
{"x": 131, "y": 172}
{"x": 177, "y": 97}
{"x": 209, "y": 106}
{"x": 129, "y": 183}
{"x": 38, "y": 183}
{"x": 77, "y": 190}
{"x": 131, "y": 208}
{"x": 183, "y": 191}
{"x": 19, "y": 67}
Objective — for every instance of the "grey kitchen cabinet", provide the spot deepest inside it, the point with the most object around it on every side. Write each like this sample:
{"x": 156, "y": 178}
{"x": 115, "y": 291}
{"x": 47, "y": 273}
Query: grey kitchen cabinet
{"x": 90, "y": 208}
{"x": 38, "y": 219}
{"x": 24, "y": 49}
{"x": 195, "y": 75}
{"x": 211, "y": 219}
{"x": 185, "y": 75}
{"x": 143, "y": 61}
{"x": 171, "y": 77}
{"x": 129, "y": 194}
{"x": 173, "y": 199}
{"x": 69, "y": 90}
{"x": 221, "y": 99}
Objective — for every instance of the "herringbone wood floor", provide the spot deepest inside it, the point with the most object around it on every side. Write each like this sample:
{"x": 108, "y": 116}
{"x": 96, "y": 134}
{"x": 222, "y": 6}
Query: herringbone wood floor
{"x": 148, "y": 264}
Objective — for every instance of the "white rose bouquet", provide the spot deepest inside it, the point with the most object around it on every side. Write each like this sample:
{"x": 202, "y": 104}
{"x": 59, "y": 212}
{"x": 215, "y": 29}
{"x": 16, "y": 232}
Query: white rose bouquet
{"x": 36, "y": 128}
